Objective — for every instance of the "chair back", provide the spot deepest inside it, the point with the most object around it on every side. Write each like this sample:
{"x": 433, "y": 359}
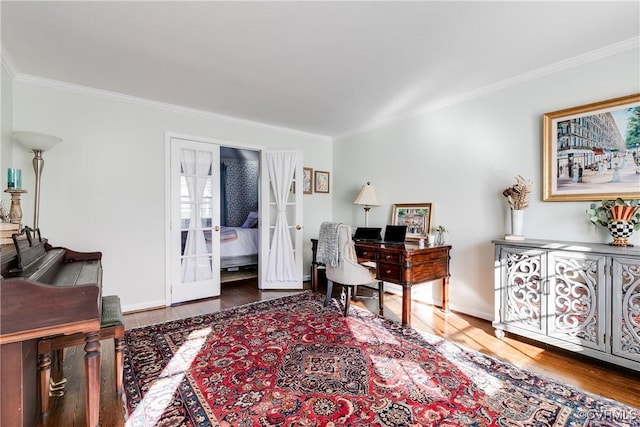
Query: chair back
{"x": 348, "y": 271}
{"x": 346, "y": 246}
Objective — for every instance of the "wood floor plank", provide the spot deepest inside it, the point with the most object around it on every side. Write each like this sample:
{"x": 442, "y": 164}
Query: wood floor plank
{"x": 594, "y": 376}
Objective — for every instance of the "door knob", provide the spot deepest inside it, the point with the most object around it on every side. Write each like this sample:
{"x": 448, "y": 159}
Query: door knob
{"x": 216, "y": 228}
{"x": 298, "y": 227}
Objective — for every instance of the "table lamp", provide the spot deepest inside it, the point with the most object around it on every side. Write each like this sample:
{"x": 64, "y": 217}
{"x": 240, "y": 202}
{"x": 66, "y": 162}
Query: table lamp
{"x": 367, "y": 198}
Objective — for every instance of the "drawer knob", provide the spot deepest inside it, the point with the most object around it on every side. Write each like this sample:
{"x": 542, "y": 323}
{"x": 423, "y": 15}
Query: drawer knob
{"x": 388, "y": 271}
{"x": 365, "y": 253}
{"x": 388, "y": 257}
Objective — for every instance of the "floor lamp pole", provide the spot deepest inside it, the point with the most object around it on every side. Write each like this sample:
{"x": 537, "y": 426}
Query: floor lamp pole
{"x": 38, "y": 165}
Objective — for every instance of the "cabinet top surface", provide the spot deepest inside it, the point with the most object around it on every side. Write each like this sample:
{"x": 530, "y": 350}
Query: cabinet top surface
{"x": 560, "y": 245}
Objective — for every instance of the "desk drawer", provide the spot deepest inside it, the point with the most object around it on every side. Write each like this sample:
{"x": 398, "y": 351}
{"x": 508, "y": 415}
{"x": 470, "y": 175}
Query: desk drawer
{"x": 366, "y": 254}
{"x": 390, "y": 272}
{"x": 391, "y": 257}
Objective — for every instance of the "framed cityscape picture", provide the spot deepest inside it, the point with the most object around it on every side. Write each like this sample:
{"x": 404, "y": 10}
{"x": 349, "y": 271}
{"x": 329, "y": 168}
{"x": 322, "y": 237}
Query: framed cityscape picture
{"x": 592, "y": 152}
{"x": 416, "y": 216}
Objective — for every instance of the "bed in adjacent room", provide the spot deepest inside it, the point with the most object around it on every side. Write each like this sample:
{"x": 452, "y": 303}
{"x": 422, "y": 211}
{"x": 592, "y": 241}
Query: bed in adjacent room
{"x": 238, "y": 247}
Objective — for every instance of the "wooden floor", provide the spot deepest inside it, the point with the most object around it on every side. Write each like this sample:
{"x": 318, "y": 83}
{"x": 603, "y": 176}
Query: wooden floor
{"x": 597, "y": 377}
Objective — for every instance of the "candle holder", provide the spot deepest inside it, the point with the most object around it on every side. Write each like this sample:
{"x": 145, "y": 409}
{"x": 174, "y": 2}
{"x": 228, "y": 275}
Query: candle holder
{"x": 15, "y": 211}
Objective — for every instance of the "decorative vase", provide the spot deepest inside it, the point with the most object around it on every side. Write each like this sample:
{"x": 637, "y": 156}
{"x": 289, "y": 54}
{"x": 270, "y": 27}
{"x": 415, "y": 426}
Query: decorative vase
{"x": 620, "y": 227}
{"x": 440, "y": 238}
{"x": 517, "y": 222}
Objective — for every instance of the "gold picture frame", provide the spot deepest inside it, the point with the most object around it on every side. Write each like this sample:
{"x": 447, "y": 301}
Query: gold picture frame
{"x": 589, "y": 152}
{"x": 416, "y": 216}
{"x": 321, "y": 181}
{"x": 307, "y": 180}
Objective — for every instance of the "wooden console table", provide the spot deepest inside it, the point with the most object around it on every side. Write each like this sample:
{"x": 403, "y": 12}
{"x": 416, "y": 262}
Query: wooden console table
{"x": 407, "y": 265}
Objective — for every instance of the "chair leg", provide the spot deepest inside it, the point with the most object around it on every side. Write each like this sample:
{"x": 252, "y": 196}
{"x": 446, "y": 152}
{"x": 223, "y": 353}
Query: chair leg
{"x": 347, "y": 300}
{"x": 327, "y": 298}
{"x": 355, "y": 292}
{"x": 381, "y": 298}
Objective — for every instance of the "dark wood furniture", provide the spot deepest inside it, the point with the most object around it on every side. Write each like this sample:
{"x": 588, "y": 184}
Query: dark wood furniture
{"x": 407, "y": 265}
{"x": 317, "y": 268}
{"x": 46, "y": 292}
{"x": 111, "y": 327}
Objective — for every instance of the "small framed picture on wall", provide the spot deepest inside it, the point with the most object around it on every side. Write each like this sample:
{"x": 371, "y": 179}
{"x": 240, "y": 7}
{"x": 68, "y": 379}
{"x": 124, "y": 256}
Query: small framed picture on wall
{"x": 321, "y": 179}
{"x": 307, "y": 180}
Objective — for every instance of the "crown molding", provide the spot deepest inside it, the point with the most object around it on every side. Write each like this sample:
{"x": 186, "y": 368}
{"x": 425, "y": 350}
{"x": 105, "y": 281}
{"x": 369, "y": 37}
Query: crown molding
{"x": 623, "y": 46}
{"x": 7, "y": 62}
{"x": 100, "y": 93}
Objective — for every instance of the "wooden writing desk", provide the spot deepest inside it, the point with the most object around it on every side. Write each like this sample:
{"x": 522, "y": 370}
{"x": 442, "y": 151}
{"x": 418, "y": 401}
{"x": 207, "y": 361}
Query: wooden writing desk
{"x": 407, "y": 265}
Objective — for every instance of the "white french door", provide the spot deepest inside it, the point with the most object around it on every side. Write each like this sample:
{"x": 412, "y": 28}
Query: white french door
{"x": 195, "y": 220}
{"x": 281, "y": 218}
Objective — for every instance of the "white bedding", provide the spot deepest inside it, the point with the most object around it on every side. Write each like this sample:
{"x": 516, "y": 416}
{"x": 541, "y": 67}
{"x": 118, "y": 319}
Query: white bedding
{"x": 245, "y": 244}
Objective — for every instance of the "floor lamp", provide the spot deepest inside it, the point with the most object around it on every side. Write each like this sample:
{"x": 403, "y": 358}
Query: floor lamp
{"x": 367, "y": 198}
{"x": 37, "y": 143}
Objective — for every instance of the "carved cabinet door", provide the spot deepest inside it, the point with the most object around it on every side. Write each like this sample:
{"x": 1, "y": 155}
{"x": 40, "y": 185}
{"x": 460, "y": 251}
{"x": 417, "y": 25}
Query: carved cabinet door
{"x": 523, "y": 301}
{"x": 577, "y": 298}
{"x": 625, "y": 317}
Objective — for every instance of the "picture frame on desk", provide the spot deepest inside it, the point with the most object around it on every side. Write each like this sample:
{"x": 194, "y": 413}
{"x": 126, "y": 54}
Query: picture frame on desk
{"x": 416, "y": 216}
{"x": 589, "y": 152}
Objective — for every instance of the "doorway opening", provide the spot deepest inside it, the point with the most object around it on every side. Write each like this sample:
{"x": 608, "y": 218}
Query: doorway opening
{"x": 239, "y": 218}
{"x": 226, "y": 205}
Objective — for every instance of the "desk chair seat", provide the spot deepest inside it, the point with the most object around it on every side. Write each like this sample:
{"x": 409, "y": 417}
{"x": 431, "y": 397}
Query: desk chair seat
{"x": 348, "y": 272}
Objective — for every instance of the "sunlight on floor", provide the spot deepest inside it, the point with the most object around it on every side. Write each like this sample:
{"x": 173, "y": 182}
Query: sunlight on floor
{"x": 162, "y": 390}
{"x": 397, "y": 372}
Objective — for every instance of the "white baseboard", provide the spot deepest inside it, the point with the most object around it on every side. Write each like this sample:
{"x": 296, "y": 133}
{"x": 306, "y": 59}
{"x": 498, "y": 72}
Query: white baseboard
{"x": 424, "y": 295}
{"x": 142, "y": 307}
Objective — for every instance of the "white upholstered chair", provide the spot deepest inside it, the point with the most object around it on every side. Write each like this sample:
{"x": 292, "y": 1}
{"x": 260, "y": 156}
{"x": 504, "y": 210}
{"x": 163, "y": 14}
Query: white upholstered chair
{"x": 348, "y": 272}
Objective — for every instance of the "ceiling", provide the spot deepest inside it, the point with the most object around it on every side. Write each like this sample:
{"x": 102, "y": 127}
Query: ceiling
{"x": 328, "y": 68}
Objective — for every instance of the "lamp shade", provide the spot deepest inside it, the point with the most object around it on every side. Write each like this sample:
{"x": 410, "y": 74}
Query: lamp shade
{"x": 367, "y": 196}
{"x": 36, "y": 141}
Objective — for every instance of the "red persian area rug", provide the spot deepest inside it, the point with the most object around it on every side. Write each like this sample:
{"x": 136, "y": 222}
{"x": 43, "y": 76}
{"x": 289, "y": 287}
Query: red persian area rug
{"x": 292, "y": 362}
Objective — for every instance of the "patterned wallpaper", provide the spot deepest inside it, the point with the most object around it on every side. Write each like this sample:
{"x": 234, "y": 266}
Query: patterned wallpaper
{"x": 241, "y": 190}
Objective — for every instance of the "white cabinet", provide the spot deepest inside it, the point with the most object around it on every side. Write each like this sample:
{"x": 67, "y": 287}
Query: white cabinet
{"x": 626, "y": 308}
{"x": 578, "y": 296}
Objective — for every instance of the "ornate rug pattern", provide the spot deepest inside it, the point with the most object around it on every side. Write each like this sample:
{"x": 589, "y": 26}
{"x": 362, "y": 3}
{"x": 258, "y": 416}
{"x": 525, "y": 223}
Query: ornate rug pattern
{"x": 292, "y": 362}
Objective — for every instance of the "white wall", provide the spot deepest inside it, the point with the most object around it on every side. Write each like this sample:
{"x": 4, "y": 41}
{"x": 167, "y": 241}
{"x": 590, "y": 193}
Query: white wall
{"x": 103, "y": 186}
{"x": 6, "y": 148}
{"x": 461, "y": 158}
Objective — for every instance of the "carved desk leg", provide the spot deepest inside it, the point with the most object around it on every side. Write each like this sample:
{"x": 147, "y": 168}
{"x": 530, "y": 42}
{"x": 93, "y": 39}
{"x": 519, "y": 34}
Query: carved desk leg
{"x": 314, "y": 276}
{"x": 406, "y": 304}
{"x": 445, "y": 294}
{"x": 92, "y": 377}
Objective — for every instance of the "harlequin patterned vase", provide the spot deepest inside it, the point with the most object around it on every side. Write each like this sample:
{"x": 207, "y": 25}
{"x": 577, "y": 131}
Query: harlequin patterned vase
{"x": 620, "y": 225}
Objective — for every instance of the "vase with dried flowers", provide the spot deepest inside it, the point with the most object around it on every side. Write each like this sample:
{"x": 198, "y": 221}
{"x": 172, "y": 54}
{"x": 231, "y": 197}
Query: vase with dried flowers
{"x": 518, "y": 198}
